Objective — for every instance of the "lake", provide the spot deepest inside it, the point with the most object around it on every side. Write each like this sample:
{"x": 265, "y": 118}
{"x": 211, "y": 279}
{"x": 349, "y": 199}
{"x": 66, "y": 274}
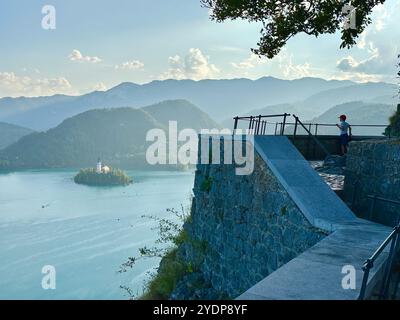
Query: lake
{"x": 86, "y": 233}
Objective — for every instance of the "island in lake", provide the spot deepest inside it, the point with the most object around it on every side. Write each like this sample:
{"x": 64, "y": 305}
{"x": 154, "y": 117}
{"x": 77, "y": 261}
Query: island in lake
{"x": 102, "y": 176}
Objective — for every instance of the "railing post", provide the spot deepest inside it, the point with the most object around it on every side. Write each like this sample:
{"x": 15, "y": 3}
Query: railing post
{"x": 236, "y": 124}
{"x": 259, "y": 124}
{"x": 251, "y": 124}
{"x": 284, "y": 124}
{"x": 264, "y": 127}
{"x": 366, "y": 268}
{"x": 396, "y": 248}
{"x": 295, "y": 127}
{"x": 316, "y": 129}
{"x": 389, "y": 267}
{"x": 276, "y": 127}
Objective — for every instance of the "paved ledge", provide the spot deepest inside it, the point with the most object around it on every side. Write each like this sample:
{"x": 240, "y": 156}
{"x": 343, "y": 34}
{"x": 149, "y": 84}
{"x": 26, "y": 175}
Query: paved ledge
{"x": 317, "y": 273}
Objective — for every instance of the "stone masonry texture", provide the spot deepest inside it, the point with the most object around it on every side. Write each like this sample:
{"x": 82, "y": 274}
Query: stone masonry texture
{"x": 242, "y": 229}
{"x": 373, "y": 168}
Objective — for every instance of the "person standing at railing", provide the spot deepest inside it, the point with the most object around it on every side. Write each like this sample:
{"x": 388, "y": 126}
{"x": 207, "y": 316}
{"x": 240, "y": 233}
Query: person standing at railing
{"x": 345, "y": 133}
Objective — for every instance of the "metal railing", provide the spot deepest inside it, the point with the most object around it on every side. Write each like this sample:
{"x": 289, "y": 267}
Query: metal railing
{"x": 258, "y": 125}
{"x": 297, "y": 123}
{"x": 394, "y": 240}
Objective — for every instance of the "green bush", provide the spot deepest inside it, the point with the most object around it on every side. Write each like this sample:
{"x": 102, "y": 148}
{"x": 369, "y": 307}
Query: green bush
{"x": 394, "y": 127}
{"x": 206, "y": 184}
{"x": 172, "y": 269}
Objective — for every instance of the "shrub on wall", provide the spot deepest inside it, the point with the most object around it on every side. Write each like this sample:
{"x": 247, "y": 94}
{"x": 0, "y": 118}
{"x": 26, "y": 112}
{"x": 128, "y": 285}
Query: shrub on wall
{"x": 394, "y": 127}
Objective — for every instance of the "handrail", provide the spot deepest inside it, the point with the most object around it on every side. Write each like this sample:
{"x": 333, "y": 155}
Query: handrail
{"x": 259, "y": 124}
{"x": 310, "y": 134}
{"x": 265, "y": 116}
{"x": 394, "y": 240}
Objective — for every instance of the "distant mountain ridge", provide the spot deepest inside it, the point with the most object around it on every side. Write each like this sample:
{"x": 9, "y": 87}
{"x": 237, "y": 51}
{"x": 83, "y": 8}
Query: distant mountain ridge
{"x": 358, "y": 113}
{"x": 10, "y": 133}
{"x": 116, "y": 135}
{"x": 218, "y": 98}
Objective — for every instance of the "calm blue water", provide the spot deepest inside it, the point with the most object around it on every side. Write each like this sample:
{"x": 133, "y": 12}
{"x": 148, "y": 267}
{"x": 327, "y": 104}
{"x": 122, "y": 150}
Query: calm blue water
{"x": 84, "y": 232}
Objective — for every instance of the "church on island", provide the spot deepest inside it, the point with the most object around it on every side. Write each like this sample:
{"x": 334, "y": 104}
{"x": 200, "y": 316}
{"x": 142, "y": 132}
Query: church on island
{"x": 102, "y": 169}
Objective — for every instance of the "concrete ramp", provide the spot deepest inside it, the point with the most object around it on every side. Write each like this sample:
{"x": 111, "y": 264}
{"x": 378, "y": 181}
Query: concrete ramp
{"x": 319, "y": 204}
{"x": 317, "y": 273}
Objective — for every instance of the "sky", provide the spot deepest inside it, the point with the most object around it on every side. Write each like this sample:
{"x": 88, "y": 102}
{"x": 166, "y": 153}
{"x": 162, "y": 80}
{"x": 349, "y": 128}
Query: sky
{"x": 97, "y": 44}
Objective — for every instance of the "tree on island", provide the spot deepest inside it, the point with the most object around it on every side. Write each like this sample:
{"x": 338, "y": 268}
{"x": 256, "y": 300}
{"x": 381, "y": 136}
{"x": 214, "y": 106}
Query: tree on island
{"x": 113, "y": 177}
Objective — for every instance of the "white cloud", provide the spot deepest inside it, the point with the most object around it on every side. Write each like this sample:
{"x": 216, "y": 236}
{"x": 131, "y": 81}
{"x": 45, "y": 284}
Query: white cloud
{"x": 77, "y": 56}
{"x": 99, "y": 87}
{"x": 12, "y": 85}
{"x": 195, "y": 65}
{"x": 290, "y": 69}
{"x": 381, "y": 16}
{"x": 251, "y": 62}
{"x": 130, "y": 65}
{"x": 357, "y": 77}
{"x": 375, "y": 57}
{"x": 381, "y": 61}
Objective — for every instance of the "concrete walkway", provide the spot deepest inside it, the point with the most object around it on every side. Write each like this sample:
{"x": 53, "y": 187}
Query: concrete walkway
{"x": 317, "y": 273}
{"x": 319, "y": 204}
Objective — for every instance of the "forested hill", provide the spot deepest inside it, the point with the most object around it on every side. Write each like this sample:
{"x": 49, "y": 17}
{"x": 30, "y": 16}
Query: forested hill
{"x": 10, "y": 133}
{"x": 116, "y": 135}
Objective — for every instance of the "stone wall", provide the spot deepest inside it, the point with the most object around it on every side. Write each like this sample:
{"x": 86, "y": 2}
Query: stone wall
{"x": 242, "y": 229}
{"x": 311, "y": 151}
{"x": 373, "y": 168}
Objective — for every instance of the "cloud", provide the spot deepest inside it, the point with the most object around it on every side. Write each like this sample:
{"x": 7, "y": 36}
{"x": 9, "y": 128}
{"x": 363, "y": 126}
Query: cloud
{"x": 357, "y": 77}
{"x": 99, "y": 87}
{"x": 77, "y": 56}
{"x": 195, "y": 65}
{"x": 290, "y": 69}
{"x": 375, "y": 56}
{"x": 381, "y": 61}
{"x": 249, "y": 63}
{"x": 12, "y": 85}
{"x": 130, "y": 65}
{"x": 381, "y": 16}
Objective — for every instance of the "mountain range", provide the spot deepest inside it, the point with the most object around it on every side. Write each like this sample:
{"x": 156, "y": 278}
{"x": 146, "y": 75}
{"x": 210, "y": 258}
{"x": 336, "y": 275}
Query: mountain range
{"x": 220, "y": 99}
{"x": 117, "y": 135}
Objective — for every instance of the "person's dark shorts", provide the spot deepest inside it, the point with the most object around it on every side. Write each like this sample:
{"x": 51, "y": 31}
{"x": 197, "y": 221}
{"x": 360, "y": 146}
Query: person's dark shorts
{"x": 344, "y": 139}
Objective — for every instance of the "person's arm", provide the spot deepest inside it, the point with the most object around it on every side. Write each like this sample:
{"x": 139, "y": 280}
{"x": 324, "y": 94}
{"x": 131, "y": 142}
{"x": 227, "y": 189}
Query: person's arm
{"x": 350, "y": 131}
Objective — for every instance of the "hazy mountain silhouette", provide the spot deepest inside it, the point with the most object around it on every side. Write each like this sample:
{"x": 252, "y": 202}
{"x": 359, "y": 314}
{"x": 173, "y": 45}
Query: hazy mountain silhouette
{"x": 218, "y": 98}
{"x": 358, "y": 113}
{"x": 10, "y": 133}
{"x": 117, "y": 135}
